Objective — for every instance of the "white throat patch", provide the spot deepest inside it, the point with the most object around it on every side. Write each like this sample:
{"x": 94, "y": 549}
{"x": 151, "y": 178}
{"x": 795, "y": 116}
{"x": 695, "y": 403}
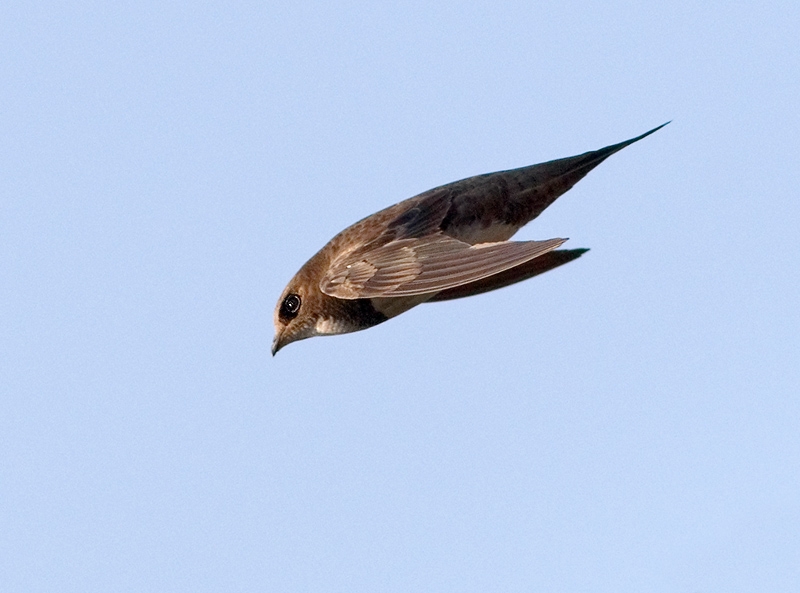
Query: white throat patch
{"x": 326, "y": 326}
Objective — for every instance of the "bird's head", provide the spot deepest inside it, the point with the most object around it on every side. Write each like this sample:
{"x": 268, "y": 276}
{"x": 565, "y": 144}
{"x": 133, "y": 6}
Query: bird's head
{"x": 304, "y": 311}
{"x": 299, "y": 309}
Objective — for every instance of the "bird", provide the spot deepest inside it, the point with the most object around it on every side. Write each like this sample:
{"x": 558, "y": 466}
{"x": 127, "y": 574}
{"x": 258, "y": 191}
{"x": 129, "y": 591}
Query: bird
{"x": 446, "y": 243}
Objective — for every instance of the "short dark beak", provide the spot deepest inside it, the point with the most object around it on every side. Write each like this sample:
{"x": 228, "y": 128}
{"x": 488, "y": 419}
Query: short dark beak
{"x": 276, "y": 344}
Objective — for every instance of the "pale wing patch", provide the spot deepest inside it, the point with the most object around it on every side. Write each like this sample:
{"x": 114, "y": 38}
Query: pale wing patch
{"x": 426, "y": 265}
{"x": 393, "y": 264}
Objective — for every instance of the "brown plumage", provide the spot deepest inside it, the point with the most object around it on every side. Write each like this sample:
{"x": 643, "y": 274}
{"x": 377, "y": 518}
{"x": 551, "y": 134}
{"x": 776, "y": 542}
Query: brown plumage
{"x": 446, "y": 243}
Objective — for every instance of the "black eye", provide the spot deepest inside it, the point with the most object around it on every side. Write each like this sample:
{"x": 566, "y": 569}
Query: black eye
{"x": 290, "y": 306}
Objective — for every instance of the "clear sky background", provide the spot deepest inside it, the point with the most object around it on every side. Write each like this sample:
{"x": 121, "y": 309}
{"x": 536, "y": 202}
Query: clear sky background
{"x": 629, "y": 422}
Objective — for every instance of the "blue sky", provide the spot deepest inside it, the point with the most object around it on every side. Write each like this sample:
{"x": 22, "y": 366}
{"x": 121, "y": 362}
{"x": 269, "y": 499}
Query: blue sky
{"x": 628, "y": 422}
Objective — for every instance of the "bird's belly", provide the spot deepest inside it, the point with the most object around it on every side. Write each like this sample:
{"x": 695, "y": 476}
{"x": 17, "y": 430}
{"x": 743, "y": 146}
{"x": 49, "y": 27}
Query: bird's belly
{"x": 477, "y": 233}
{"x": 393, "y": 306}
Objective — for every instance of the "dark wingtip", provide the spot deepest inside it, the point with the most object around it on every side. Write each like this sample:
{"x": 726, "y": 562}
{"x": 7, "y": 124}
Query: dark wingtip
{"x": 656, "y": 129}
{"x": 622, "y": 145}
{"x": 598, "y": 156}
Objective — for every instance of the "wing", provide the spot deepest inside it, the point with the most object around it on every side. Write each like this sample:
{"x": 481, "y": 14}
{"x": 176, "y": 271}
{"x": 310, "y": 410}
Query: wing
{"x": 524, "y": 271}
{"x": 423, "y": 265}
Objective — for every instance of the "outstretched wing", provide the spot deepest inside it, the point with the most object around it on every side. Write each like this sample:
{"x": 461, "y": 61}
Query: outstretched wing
{"x": 422, "y": 265}
{"x": 529, "y": 269}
